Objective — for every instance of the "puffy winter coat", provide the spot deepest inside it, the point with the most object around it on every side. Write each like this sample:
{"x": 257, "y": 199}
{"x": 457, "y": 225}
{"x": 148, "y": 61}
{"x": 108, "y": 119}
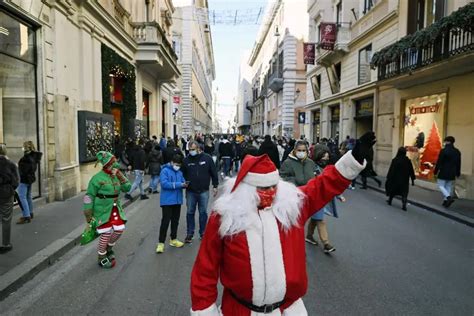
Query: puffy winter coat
{"x": 154, "y": 162}
{"x": 448, "y": 166}
{"x": 8, "y": 178}
{"x": 296, "y": 171}
{"x": 171, "y": 186}
{"x": 28, "y": 165}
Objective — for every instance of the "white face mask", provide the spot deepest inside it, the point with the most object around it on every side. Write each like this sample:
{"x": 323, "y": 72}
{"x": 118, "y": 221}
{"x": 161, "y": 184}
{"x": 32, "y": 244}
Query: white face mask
{"x": 193, "y": 152}
{"x": 176, "y": 168}
{"x": 301, "y": 155}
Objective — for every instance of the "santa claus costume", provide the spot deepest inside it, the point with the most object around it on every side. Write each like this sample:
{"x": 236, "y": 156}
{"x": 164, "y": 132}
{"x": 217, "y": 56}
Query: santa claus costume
{"x": 255, "y": 241}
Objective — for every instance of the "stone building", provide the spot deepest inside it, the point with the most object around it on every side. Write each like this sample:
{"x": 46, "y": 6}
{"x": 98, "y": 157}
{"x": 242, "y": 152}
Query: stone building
{"x": 75, "y": 73}
{"x": 415, "y": 96}
{"x": 244, "y": 96}
{"x": 278, "y": 80}
{"x": 193, "y": 43}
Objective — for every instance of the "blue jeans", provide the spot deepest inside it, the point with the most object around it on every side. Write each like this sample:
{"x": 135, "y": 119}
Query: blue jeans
{"x": 155, "y": 180}
{"x": 226, "y": 165}
{"x": 201, "y": 200}
{"x": 138, "y": 183}
{"x": 24, "y": 193}
{"x": 236, "y": 165}
{"x": 446, "y": 187}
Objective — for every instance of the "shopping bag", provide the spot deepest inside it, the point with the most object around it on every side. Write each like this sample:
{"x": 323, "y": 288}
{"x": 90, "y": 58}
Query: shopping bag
{"x": 90, "y": 233}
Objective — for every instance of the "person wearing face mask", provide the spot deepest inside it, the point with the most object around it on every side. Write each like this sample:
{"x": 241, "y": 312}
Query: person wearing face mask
{"x": 171, "y": 198}
{"x": 322, "y": 158}
{"x": 298, "y": 168}
{"x": 102, "y": 205}
{"x": 198, "y": 169}
{"x": 448, "y": 168}
{"x": 255, "y": 241}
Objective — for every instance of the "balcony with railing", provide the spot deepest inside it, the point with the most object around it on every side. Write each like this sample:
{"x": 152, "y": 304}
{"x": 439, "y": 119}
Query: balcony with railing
{"x": 341, "y": 46}
{"x": 450, "y": 39}
{"x": 154, "y": 50}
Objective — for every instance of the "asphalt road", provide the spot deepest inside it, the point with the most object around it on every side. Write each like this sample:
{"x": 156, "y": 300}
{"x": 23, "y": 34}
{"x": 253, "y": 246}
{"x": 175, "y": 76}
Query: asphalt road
{"x": 387, "y": 262}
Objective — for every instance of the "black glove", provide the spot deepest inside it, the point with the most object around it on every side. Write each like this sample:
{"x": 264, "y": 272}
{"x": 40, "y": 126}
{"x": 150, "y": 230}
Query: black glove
{"x": 363, "y": 146}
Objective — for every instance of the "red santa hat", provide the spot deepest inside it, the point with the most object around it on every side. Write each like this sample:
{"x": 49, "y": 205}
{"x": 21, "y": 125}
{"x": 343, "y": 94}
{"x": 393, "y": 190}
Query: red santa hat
{"x": 258, "y": 171}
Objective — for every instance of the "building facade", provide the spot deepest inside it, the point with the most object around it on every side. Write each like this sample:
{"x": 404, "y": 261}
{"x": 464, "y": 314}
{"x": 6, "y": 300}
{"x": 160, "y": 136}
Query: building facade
{"x": 278, "y": 80}
{"x": 244, "y": 97}
{"x": 76, "y": 73}
{"x": 193, "y": 43}
{"x": 410, "y": 97}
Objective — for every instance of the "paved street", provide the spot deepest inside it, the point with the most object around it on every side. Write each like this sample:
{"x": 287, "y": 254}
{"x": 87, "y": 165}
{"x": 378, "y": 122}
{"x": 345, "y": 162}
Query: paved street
{"x": 387, "y": 262}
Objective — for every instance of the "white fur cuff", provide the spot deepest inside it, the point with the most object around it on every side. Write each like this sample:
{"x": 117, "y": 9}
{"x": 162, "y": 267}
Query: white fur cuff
{"x": 349, "y": 167}
{"x": 212, "y": 310}
{"x": 262, "y": 180}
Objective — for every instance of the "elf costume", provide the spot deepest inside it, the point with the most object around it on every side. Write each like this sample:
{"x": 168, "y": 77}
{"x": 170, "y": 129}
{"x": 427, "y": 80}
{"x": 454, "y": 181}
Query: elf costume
{"x": 102, "y": 204}
{"x": 255, "y": 240}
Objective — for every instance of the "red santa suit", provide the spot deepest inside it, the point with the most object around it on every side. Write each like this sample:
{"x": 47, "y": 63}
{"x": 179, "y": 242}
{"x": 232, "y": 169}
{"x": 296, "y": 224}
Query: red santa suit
{"x": 259, "y": 255}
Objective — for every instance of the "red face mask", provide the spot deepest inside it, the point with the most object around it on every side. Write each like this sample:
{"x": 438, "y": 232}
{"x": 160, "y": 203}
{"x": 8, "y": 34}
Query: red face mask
{"x": 266, "y": 197}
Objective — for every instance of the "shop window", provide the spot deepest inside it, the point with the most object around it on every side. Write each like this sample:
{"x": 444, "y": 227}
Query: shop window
{"x": 424, "y": 129}
{"x": 316, "y": 86}
{"x": 365, "y": 55}
{"x": 146, "y": 109}
{"x": 335, "y": 116}
{"x": 364, "y": 116}
{"x": 316, "y": 126}
{"x": 18, "y": 103}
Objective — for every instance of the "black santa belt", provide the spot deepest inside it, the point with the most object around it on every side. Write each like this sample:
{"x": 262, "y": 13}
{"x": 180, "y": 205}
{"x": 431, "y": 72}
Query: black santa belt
{"x": 107, "y": 196}
{"x": 265, "y": 309}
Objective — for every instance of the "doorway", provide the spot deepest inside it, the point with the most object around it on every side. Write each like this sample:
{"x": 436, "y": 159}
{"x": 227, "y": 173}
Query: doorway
{"x": 364, "y": 116}
{"x": 163, "y": 116}
{"x": 146, "y": 110}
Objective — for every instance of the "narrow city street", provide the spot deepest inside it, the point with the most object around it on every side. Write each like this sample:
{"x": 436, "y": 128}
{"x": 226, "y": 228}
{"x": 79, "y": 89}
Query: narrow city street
{"x": 388, "y": 262}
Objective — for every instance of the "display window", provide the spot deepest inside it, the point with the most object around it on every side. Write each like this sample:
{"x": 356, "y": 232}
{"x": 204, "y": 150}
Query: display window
{"x": 424, "y": 128}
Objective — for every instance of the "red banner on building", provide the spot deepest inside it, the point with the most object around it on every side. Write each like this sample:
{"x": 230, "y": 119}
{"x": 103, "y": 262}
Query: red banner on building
{"x": 309, "y": 53}
{"x": 328, "y": 35}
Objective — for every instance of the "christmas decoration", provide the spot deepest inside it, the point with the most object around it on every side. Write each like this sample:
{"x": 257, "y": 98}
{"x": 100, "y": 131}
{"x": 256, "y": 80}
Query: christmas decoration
{"x": 116, "y": 66}
{"x": 431, "y": 152}
{"x": 462, "y": 19}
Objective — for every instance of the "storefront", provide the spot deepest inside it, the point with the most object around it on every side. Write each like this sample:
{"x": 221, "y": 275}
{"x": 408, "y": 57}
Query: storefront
{"x": 335, "y": 120}
{"x": 364, "y": 116}
{"x": 316, "y": 120}
{"x": 18, "y": 88}
{"x": 423, "y": 131}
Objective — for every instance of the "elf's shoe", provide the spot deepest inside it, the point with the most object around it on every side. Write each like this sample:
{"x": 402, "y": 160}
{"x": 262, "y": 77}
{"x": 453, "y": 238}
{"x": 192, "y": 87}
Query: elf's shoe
{"x": 105, "y": 262}
{"x": 176, "y": 243}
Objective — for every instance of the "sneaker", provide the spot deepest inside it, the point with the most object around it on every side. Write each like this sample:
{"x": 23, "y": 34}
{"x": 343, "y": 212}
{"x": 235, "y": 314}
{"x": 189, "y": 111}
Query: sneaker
{"x": 352, "y": 187}
{"x": 160, "y": 248}
{"x": 31, "y": 215}
{"x": 144, "y": 197}
{"x": 149, "y": 190}
{"x": 24, "y": 220}
{"x": 176, "y": 243}
{"x": 188, "y": 239}
{"x": 5, "y": 249}
{"x": 155, "y": 192}
{"x": 328, "y": 248}
{"x": 311, "y": 240}
{"x": 128, "y": 197}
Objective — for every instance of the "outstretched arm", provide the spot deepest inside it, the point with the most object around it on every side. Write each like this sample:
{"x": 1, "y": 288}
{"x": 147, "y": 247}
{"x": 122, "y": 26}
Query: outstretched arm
{"x": 205, "y": 274}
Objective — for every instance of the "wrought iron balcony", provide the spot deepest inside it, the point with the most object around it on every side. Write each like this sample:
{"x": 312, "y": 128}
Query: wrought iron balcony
{"x": 436, "y": 43}
{"x": 154, "y": 50}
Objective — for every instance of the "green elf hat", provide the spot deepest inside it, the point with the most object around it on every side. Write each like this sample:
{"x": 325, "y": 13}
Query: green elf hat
{"x": 105, "y": 158}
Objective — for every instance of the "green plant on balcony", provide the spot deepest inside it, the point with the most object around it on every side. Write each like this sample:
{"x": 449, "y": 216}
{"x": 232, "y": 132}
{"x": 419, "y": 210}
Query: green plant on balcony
{"x": 463, "y": 18}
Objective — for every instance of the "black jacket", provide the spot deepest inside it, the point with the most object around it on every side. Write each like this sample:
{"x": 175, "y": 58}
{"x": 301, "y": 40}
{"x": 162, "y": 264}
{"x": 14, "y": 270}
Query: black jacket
{"x": 8, "y": 178}
{"x": 209, "y": 149}
{"x": 238, "y": 150}
{"x": 28, "y": 165}
{"x": 225, "y": 149}
{"x": 137, "y": 158}
{"x": 269, "y": 148}
{"x": 199, "y": 170}
{"x": 155, "y": 160}
{"x": 448, "y": 166}
{"x": 169, "y": 152}
{"x": 398, "y": 177}
{"x": 369, "y": 168}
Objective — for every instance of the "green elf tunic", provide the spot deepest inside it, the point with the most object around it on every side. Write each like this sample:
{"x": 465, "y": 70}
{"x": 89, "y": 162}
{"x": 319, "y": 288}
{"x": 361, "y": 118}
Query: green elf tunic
{"x": 102, "y": 185}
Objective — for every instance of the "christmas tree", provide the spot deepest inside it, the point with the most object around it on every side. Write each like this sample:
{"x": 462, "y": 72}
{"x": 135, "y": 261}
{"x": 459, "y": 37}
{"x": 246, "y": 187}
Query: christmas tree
{"x": 431, "y": 152}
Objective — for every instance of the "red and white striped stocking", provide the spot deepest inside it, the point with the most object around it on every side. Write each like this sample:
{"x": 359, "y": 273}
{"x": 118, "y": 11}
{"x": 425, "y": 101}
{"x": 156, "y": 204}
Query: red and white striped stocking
{"x": 115, "y": 236}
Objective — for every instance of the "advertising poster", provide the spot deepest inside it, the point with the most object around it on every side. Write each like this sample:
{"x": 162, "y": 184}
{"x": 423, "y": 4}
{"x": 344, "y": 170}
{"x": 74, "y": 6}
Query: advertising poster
{"x": 424, "y": 132}
{"x": 328, "y": 34}
{"x": 309, "y": 53}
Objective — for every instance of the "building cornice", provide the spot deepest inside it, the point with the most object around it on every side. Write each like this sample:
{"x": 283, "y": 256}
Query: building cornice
{"x": 363, "y": 88}
{"x": 374, "y": 28}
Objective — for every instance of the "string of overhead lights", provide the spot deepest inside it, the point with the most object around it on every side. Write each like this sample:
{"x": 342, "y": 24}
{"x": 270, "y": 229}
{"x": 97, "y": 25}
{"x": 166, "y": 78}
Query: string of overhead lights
{"x": 227, "y": 17}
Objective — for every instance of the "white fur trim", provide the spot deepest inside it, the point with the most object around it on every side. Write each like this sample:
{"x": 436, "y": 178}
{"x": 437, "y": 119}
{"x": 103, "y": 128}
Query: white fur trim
{"x": 235, "y": 207}
{"x": 349, "y": 167}
{"x": 266, "y": 259}
{"x": 262, "y": 179}
{"x": 212, "y": 310}
{"x": 296, "y": 309}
